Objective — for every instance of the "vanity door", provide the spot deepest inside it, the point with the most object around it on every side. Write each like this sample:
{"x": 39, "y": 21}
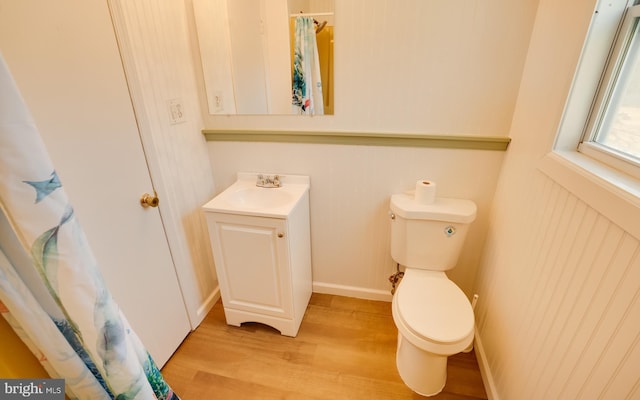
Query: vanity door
{"x": 252, "y": 261}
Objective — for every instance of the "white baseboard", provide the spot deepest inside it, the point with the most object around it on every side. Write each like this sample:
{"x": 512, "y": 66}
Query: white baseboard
{"x": 352, "y": 291}
{"x": 205, "y": 307}
{"x": 485, "y": 371}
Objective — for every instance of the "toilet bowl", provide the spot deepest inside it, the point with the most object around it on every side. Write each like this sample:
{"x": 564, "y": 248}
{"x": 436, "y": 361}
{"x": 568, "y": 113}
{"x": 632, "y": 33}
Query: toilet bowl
{"x": 433, "y": 315}
{"x": 434, "y": 320}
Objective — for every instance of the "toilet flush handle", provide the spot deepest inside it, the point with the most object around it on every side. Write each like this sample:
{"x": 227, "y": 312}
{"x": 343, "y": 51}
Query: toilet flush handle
{"x": 392, "y": 216}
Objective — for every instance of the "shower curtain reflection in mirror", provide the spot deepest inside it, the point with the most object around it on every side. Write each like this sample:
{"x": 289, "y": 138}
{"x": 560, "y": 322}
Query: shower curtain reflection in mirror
{"x": 312, "y": 55}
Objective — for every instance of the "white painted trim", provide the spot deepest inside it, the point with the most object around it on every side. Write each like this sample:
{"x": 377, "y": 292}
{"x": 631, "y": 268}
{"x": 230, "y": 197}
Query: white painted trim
{"x": 352, "y": 291}
{"x": 205, "y": 307}
{"x": 611, "y": 157}
{"x": 593, "y": 60}
{"x": 485, "y": 369}
{"x": 610, "y": 192}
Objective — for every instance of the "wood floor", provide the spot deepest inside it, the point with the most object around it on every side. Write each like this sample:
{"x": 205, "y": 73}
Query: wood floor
{"x": 345, "y": 349}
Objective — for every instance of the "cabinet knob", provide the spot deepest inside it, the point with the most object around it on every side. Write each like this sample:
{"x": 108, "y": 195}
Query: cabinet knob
{"x": 280, "y": 235}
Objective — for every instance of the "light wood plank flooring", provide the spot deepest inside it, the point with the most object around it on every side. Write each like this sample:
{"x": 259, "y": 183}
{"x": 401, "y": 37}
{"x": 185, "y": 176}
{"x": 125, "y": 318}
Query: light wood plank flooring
{"x": 345, "y": 349}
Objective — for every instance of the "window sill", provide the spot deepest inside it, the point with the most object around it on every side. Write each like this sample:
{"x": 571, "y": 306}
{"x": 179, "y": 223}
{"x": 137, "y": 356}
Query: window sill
{"x": 611, "y": 193}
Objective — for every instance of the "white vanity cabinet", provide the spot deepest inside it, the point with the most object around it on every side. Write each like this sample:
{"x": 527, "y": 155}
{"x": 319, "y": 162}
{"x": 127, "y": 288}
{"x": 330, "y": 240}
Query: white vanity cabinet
{"x": 263, "y": 262}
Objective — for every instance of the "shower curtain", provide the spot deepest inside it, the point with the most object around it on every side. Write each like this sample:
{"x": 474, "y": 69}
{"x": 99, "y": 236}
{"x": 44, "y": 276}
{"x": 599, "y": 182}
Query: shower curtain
{"x": 51, "y": 291}
{"x": 307, "y": 84}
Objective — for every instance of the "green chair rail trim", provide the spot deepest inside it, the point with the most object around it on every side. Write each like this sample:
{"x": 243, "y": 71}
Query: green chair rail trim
{"x": 499, "y": 143}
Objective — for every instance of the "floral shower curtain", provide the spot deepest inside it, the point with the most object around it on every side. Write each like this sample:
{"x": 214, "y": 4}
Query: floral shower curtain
{"x": 51, "y": 290}
{"x": 307, "y": 84}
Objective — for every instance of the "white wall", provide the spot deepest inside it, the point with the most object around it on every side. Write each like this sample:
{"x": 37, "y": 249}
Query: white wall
{"x": 440, "y": 66}
{"x": 558, "y": 282}
{"x": 401, "y": 66}
{"x": 350, "y": 189}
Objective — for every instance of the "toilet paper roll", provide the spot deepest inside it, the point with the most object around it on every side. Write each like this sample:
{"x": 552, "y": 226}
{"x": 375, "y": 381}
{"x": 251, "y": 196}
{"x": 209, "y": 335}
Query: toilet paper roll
{"x": 425, "y": 192}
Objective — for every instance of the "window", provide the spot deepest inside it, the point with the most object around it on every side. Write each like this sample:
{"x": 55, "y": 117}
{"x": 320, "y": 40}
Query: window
{"x": 612, "y": 133}
{"x": 595, "y": 155}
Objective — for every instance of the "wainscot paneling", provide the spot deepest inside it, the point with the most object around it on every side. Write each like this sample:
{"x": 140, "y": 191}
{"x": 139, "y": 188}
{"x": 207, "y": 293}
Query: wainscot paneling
{"x": 559, "y": 278}
{"x": 350, "y": 191}
{"x": 569, "y": 317}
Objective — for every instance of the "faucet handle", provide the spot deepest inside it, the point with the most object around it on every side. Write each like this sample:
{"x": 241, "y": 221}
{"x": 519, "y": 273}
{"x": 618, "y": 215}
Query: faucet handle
{"x": 268, "y": 181}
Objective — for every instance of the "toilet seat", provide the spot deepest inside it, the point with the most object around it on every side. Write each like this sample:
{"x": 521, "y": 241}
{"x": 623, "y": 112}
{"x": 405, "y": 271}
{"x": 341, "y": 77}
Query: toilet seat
{"x": 432, "y": 312}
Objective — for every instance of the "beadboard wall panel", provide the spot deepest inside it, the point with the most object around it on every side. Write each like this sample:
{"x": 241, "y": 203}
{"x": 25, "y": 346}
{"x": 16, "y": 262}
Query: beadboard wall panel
{"x": 559, "y": 285}
{"x": 415, "y": 66}
{"x": 155, "y": 45}
{"x": 573, "y": 320}
{"x": 349, "y": 199}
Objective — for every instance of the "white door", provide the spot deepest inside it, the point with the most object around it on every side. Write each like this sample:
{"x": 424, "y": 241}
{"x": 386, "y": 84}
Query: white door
{"x": 65, "y": 60}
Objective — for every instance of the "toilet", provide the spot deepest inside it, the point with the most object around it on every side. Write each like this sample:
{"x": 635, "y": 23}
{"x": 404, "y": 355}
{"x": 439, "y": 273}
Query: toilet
{"x": 433, "y": 315}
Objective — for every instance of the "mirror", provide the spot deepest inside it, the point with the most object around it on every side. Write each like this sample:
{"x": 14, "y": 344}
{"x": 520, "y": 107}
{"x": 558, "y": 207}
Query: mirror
{"x": 250, "y": 61}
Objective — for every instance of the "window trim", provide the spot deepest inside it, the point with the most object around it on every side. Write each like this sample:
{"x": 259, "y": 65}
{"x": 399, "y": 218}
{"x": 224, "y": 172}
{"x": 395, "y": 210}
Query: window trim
{"x": 605, "y": 91}
{"x": 611, "y": 158}
{"x": 602, "y": 31}
{"x": 611, "y": 193}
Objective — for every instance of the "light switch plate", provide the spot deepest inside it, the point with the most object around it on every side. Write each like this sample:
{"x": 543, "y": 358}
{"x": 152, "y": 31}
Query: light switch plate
{"x": 176, "y": 111}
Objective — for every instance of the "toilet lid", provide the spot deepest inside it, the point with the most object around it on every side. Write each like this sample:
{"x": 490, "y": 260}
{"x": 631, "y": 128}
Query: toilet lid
{"x": 433, "y": 307}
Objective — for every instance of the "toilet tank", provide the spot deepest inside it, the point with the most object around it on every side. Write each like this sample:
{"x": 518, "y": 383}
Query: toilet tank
{"x": 429, "y": 236}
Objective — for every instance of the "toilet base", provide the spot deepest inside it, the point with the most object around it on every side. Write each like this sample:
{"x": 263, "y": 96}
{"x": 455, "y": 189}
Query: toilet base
{"x": 423, "y": 372}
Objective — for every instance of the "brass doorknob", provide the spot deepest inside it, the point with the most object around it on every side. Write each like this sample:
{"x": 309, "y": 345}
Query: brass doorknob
{"x": 148, "y": 200}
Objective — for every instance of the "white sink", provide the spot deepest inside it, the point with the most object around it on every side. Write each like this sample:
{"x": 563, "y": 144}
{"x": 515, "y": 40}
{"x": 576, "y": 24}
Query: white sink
{"x": 258, "y": 197}
{"x": 245, "y": 198}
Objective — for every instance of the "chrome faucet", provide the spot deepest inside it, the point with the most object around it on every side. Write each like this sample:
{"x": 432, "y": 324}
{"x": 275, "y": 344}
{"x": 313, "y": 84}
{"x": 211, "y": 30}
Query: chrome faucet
{"x": 268, "y": 181}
